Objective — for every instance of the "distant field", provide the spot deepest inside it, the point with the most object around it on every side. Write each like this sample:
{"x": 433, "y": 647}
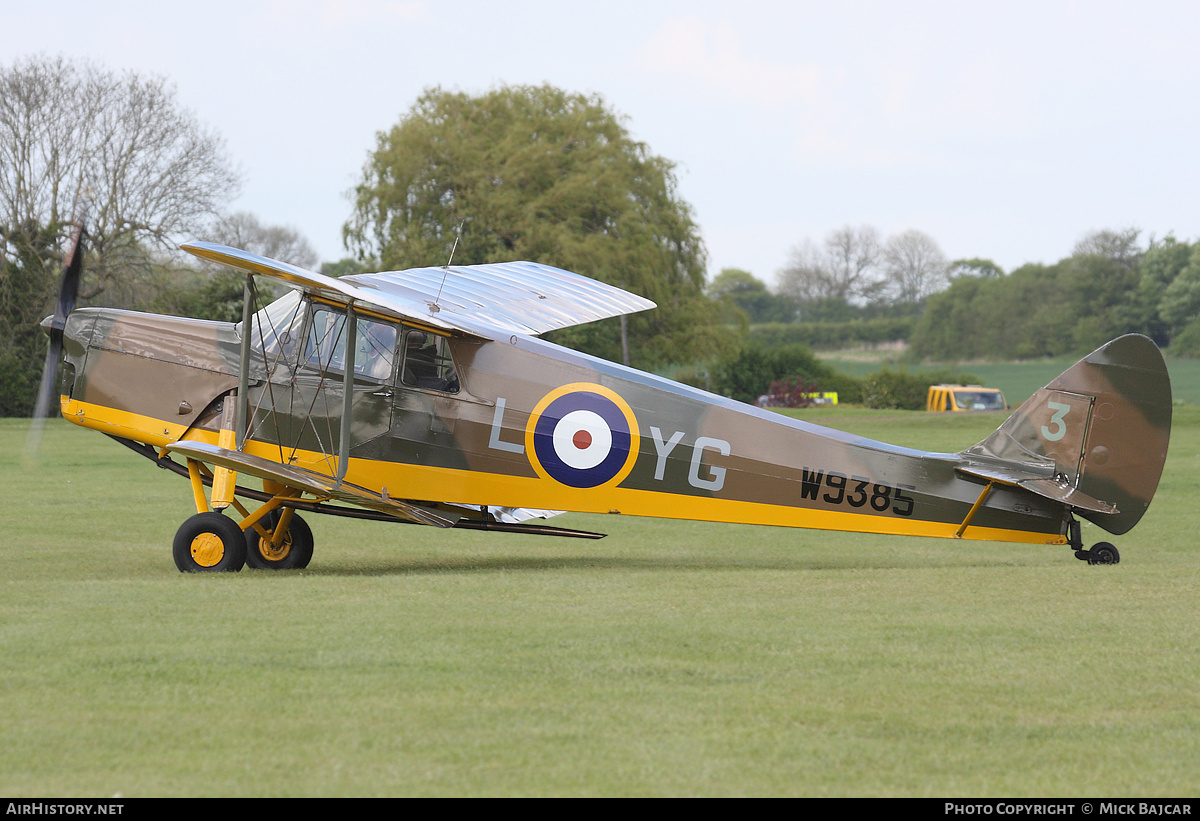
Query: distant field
{"x": 671, "y": 658}
{"x": 1018, "y": 380}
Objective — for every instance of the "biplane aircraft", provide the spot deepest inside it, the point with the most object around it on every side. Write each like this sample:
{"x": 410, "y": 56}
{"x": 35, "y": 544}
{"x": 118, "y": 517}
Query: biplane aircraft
{"x": 426, "y": 396}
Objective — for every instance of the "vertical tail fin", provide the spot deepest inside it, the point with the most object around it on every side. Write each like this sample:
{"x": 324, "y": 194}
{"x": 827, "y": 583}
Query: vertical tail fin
{"x": 1102, "y": 426}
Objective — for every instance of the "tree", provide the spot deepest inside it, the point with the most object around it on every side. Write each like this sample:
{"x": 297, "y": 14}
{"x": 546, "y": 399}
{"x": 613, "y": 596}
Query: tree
{"x": 218, "y": 292}
{"x": 1100, "y": 293}
{"x": 844, "y": 268}
{"x": 735, "y": 281}
{"x": 853, "y": 255}
{"x": 1160, "y": 266}
{"x": 22, "y": 344}
{"x": 1119, "y": 245}
{"x": 244, "y": 230}
{"x": 805, "y": 277}
{"x": 537, "y": 173}
{"x": 914, "y": 265}
{"x": 215, "y": 291}
{"x": 153, "y": 172}
{"x": 1180, "y": 303}
{"x": 974, "y": 267}
{"x": 1025, "y": 314}
{"x": 348, "y": 266}
{"x": 750, "y": 295}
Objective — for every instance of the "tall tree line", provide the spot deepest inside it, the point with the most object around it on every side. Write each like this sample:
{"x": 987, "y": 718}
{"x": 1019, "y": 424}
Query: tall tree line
{"x": 856, "y": 286}
{"x": 1110, "y": 285}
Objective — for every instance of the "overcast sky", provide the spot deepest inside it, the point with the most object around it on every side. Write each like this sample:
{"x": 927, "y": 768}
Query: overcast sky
{"x": 1003, "y": 130}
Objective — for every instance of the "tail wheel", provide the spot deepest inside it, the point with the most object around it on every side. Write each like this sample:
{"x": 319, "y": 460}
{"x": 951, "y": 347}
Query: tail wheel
{"x": 1103, "y": 553}
{"x": 293, "y": 552}
{"x": 209, "y": 543}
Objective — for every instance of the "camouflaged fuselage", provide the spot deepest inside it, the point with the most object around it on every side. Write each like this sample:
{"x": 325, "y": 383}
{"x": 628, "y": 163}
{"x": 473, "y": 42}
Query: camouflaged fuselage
{"x": 534, "y": 425}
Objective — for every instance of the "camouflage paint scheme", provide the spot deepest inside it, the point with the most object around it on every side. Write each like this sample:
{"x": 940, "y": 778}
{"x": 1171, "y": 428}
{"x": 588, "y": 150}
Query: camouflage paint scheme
{"x": 534, "y": 425}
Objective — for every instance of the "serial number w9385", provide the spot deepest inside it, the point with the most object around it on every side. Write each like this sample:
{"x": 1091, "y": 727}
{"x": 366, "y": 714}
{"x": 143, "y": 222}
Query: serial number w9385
{"x": 856, "y": 491}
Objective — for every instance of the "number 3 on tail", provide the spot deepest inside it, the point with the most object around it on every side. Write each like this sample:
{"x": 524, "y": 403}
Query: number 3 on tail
{"x": 1060, "y": 413}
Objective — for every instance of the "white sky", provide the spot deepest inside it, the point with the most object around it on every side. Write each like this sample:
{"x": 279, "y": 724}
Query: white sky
{"x": 1004, "y": 130}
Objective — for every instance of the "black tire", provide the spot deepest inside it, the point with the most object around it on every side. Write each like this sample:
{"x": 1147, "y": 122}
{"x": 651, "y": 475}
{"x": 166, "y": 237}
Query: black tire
{"x": 209, "y": 543}
{"x": 294, "y": 554}
{"x": 1103, "y": 553}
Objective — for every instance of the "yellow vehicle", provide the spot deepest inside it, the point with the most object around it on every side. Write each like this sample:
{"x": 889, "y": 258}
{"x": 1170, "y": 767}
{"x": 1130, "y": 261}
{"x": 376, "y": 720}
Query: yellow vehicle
{"x": 964, "y": 398}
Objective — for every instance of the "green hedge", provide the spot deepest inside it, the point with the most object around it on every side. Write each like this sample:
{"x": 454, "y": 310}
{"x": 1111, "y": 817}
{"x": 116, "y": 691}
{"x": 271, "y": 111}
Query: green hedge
{"x": 831, "y": 335}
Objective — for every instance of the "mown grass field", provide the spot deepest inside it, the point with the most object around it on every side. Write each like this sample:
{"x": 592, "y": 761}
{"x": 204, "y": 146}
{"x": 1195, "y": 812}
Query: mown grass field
{"x": 671, "y": 658}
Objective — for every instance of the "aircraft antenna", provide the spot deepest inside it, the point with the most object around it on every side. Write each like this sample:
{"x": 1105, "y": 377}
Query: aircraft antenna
{"x": 446, "y": 268}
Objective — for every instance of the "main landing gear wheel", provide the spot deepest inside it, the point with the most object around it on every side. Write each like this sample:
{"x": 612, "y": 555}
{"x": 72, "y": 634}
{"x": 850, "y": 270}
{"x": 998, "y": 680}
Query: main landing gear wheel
{"x": 294, "y": 551}
{"x": 209, "y": 543}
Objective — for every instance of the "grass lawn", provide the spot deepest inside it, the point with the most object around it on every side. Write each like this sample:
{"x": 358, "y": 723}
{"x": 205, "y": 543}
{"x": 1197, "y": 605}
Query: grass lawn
{"x": 671, "y": 658}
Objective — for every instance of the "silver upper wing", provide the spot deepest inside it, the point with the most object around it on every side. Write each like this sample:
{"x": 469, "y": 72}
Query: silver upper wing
{"x": 482, "y": 300}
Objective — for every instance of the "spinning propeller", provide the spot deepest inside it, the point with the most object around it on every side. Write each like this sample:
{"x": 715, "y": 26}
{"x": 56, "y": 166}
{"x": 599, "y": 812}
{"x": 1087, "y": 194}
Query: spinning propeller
{"x": 68, "y": 293}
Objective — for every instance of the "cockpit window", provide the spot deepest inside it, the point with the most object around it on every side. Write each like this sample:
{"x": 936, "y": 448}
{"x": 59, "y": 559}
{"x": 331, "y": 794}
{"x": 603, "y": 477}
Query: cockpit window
{"x": 374, "y": 345}
{"x": 427, "y": 362}
{"x": 325, "y": 347}
{"x": 375, "y": 352}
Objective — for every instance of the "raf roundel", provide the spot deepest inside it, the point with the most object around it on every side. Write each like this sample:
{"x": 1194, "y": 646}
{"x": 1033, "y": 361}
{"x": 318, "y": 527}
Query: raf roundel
{"x": 582, "y": 436}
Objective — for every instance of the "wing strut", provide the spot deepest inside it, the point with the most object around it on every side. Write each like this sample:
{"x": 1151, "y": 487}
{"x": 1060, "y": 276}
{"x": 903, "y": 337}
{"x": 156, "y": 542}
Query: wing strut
{"x": 243, "y": 400}
{"x": 343, "y": 459}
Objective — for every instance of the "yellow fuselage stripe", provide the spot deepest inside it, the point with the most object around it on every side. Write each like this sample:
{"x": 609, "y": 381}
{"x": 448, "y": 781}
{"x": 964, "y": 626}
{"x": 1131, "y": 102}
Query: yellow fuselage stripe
{"x": 478, "y": 488}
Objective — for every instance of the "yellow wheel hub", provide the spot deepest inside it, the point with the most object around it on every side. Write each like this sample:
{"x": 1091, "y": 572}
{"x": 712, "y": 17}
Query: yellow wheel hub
{"x": 274, "y": 553}
{"x": 207, "y": 549}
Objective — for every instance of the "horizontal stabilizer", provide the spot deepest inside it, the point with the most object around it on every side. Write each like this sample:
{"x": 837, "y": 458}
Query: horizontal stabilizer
{"x": 1049, "y": 487}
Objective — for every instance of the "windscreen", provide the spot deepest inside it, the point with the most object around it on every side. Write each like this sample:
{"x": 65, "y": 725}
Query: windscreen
{"x": 278, "y": 325}
{"x": 978, "y": 400}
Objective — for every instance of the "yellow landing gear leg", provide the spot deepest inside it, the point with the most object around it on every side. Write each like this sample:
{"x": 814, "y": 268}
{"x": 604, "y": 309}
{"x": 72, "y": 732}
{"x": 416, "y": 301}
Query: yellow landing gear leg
{"x": 209, "y": 542}
{"x": 283, "y": 541}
